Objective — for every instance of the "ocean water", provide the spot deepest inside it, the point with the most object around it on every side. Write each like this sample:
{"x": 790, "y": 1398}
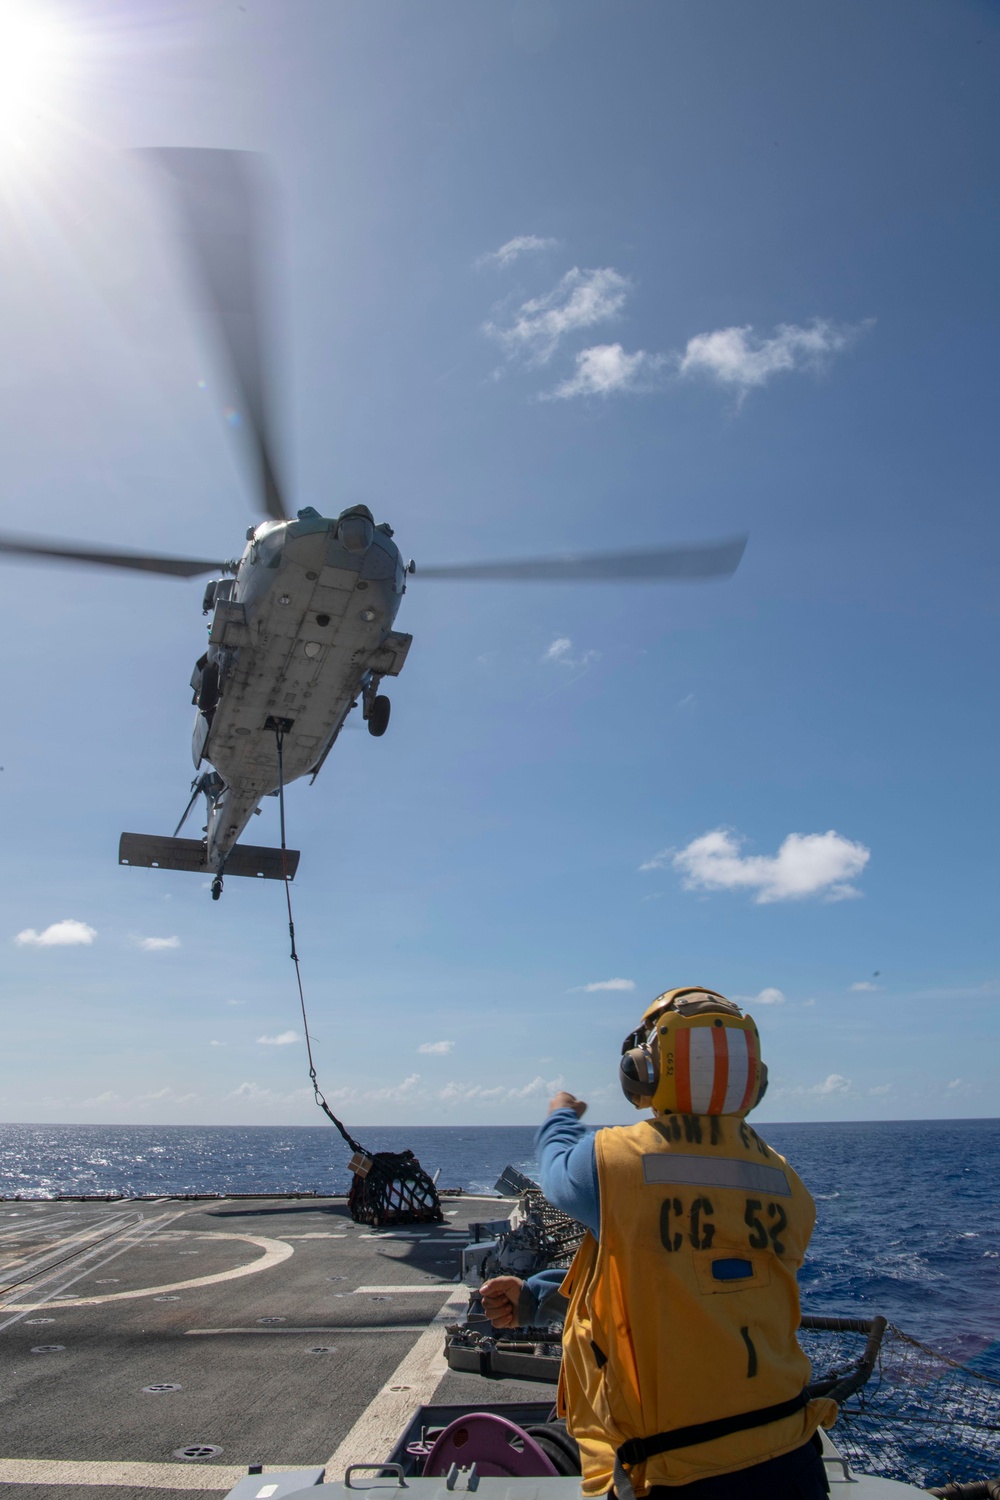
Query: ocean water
{"x": 908, "y": 1212}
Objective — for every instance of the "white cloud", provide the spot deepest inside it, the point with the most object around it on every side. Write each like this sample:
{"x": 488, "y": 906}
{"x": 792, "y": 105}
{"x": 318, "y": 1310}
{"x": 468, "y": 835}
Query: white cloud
{"x": 768, "y": 996}
{"x": 579, "y": 300}
{"x": 834, "y": 1083}
{"x": 881, "y": 1088}
{"x": 606, "y": 369}
{"x": 157, "y": 1096}
{"x": 538, "y": 1088}
{"x": 66, "y": 934}
{"x": 606, "y": 984}
{"x": 216, "y": 1044}
{"x": 154, "y": 944}
{"x": 956, "y": 1083}
{"x": 465, "y": 1093}
{"x": 559, "y": 655}
{"x": 252, "y": 1093}
{"x": 739, "y": 358}
{"x": 437, "y": 1048}
{"x": 864, "y": 987}
{"x": 519, "y": 245}
{"x": 396, "y": 1091}
{"x": 283, "y": 1039}
{"x": 806, "y": 864}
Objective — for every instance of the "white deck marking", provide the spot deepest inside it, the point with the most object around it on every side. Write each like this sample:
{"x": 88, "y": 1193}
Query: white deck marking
{"x": 411, "y": 1384}
{"x": 339, "y": 1329}
{"x": 275, "y": 1251}
{"x": 109, "y": 1249}
{"x": 136, "y": 1475}
{"x": 395, "y": 1290}
{"x": 421, "y": 1239}
{"x": 315, "y": 1234}
{"x": 79, "y": 1242}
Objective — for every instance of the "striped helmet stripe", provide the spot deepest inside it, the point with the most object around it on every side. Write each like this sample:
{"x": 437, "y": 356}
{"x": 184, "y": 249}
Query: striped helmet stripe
{"x": 721, "y": 1047}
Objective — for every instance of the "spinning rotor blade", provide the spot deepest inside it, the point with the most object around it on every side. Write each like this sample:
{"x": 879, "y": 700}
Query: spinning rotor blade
{"x": 714, "y": 560}
{"x": 99, "y": 557}
{"x": 217, "y": 207}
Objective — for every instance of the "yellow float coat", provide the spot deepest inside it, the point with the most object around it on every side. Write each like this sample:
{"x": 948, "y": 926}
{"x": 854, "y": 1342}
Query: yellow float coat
{"x": 686, "y": 1310}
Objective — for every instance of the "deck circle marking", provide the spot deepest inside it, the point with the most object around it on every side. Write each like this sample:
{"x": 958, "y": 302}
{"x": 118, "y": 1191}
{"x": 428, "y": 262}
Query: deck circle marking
{"x": 160, "y": 1390}
{"x": 272, "y": 1320}
{"x": 169, "y": 1297}
{"x": 275, "y": 1251}
{"x": 31, "y": 1322}
{"x": 48, "y": 1348}
{"x": 198, "y": 1452}
{"x": 322, "y": 1349}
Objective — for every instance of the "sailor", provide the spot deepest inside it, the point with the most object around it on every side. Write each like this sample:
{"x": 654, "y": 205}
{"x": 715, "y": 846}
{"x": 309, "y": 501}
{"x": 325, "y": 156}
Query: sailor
{"x": 681, "y": 1373}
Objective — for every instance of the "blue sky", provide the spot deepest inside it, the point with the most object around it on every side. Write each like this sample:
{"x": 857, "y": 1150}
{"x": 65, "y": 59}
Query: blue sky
{"x": 546, "y": 277}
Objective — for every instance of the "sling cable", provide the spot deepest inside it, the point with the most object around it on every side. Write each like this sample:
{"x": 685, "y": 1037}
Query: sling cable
{"x": 388, "y": 1187}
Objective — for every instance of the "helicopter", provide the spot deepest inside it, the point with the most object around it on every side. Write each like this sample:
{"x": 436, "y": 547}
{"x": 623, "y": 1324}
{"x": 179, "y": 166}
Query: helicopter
{"x": 302, "y": 623}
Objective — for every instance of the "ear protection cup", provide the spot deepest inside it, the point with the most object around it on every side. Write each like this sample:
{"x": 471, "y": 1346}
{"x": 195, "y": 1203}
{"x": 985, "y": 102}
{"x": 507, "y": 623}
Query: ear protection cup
{"x": 638, "y": 1073}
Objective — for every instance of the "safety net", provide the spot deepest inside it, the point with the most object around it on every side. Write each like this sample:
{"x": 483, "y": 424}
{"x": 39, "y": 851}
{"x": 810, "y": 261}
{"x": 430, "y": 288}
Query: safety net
{"x": 907, "y": 1411}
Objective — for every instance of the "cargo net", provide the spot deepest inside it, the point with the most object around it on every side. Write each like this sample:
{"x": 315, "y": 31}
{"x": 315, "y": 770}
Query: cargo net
{"x": 391, "y": 1187}
{"x": 907, "y": 1412}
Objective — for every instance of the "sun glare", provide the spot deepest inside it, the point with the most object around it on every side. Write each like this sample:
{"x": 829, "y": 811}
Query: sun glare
{"x": 35, "y": 52}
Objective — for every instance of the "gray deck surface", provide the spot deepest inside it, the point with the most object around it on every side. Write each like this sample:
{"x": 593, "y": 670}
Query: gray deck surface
{"x": 254, "y": 1389}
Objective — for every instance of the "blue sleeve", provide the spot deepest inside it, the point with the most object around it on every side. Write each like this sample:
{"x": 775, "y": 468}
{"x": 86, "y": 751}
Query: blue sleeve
{"x": 568, "y": 1165}
{"x": 541, "y": 1301}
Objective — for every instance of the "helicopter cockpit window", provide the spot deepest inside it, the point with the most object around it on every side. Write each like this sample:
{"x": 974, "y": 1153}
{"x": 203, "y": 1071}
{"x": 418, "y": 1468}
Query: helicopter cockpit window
{"x": 269, "y": 549}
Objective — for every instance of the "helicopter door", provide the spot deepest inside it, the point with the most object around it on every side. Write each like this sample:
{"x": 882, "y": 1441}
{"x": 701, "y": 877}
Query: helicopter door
{"x": 199, "y": 739}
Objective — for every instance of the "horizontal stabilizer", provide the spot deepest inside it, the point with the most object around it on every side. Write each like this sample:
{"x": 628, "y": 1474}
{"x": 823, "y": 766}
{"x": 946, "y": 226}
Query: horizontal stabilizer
{"x": 152, "y": 851}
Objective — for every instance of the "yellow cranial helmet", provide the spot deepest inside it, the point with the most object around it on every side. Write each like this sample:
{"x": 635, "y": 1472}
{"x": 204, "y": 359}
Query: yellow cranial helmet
{"x": 693, "y": 1053}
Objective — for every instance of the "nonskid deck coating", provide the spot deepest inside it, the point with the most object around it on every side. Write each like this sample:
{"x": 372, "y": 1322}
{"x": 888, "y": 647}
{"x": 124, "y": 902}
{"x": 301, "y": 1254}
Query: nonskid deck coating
{"x": 179, "y": 1294}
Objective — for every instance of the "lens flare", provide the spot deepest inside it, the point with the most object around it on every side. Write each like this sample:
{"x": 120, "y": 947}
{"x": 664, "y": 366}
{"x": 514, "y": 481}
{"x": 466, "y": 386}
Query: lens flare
{"x": 36, "y": 53}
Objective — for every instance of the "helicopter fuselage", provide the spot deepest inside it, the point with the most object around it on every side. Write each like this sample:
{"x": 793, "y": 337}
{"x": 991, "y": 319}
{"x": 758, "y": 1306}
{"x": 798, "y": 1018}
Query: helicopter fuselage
{"x": 299, "y": 637}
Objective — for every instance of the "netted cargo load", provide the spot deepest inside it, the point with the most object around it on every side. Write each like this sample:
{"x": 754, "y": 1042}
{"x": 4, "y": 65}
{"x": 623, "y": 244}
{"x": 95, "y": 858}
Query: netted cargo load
{"x": 391, "y": 1187}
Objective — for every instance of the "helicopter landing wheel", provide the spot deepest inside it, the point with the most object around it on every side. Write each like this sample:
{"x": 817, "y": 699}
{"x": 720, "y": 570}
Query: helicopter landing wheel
{"x": 378, "y": 718}
{"x": 216, "y": 887}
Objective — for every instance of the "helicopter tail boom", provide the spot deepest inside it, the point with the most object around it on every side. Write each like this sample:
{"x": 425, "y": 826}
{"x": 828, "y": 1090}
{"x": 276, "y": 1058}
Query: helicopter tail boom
{"x": 154, "y": 851}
